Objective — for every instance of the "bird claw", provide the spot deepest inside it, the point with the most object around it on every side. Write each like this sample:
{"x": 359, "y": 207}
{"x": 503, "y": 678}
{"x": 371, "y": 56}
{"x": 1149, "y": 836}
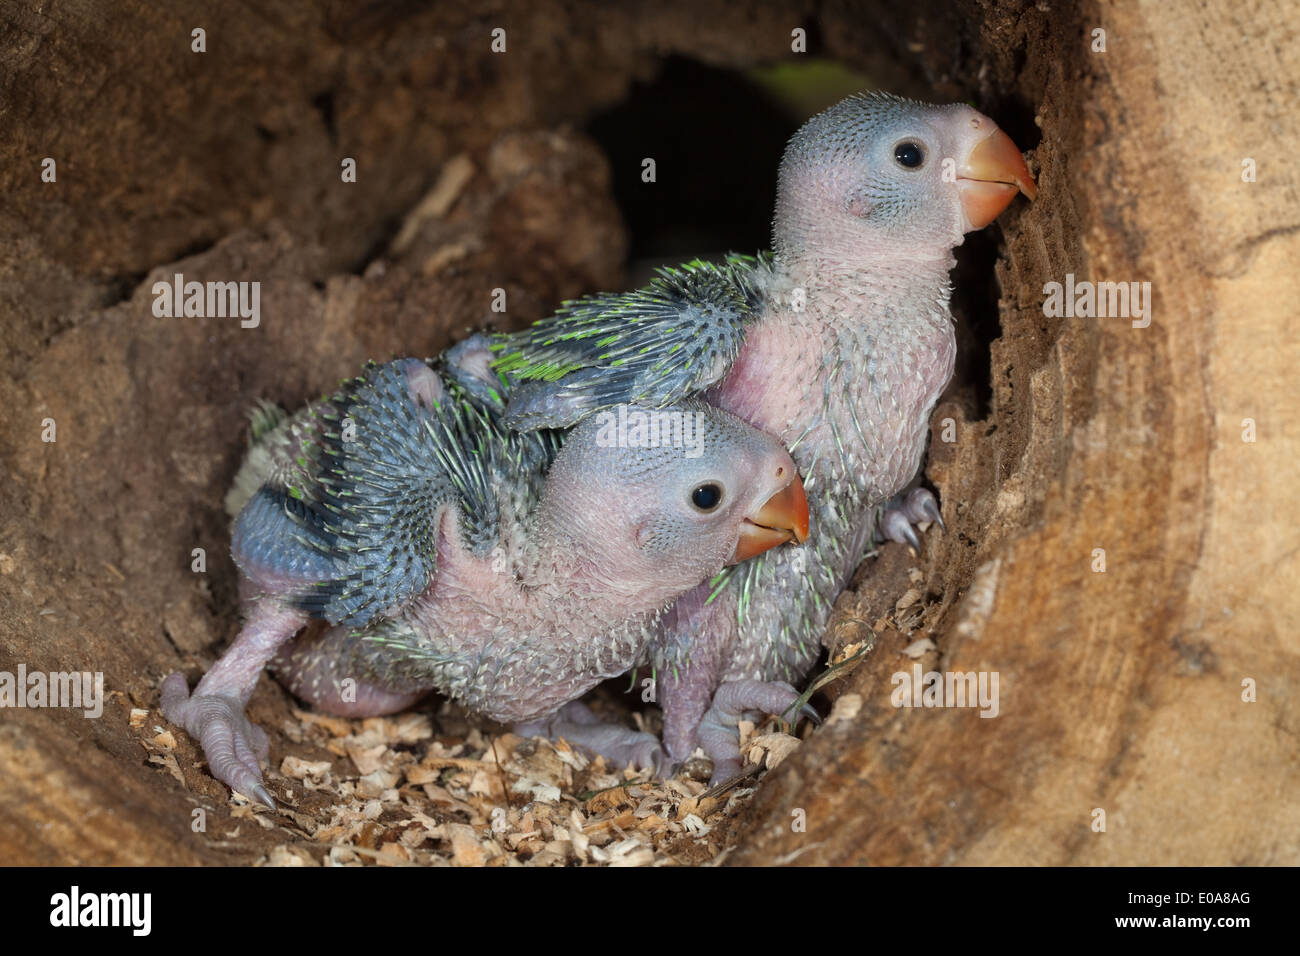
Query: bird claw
{"x": 717, "y": 731}
{"x": 808, "y": 712}
{"x": 895, "y": 526}
{"x": 621, "y": 746}
{"x": 904, "y": 510}
{"x": 234, "y": 747}
{"x": 926, "y": 506}
{"x": 624, "y": 747}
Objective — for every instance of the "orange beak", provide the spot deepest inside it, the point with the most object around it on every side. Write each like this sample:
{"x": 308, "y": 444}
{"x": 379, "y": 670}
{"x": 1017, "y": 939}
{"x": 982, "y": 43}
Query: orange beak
{"x": 782, "y": 518}
{"x": 989, "y": 178}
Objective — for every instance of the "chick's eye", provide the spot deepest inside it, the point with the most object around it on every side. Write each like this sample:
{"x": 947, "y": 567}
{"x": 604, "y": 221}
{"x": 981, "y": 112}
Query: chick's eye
{"x": 706, "y": 497}
{"x": 909, "y": 154}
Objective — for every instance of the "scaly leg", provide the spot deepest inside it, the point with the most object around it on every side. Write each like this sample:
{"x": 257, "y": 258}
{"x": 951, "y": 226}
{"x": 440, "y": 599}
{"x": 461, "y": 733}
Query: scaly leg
{"x": 214, "y": 713}
{"x": 695, "y": 634}
{"x": 700, "y": 709}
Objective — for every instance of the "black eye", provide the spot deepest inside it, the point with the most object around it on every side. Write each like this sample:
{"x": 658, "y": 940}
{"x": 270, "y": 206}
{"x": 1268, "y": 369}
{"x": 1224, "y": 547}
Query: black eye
{"x": 706, "y": 497}
{"x": 909, "y": 154}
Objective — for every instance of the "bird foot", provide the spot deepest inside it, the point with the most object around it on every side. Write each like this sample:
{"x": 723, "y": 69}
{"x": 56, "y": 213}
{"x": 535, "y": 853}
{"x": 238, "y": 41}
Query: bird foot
{"x": 904, "y": 510}
{"x": 718, "y": 733}
{"x": 621, "y": 746}
{"x": 234, "y": 747}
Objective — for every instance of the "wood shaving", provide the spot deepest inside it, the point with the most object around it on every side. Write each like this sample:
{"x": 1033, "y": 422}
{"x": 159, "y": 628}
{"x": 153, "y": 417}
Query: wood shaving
{"x": 919, "y": 648}
{"x": 769, "y": 750}
{"x": 298, "y": 769}
{"x": 398, "y": 791}
{"x": 910, "y": 597}
{"x": 168, "y": 762}
{"x": 845, "y": 708}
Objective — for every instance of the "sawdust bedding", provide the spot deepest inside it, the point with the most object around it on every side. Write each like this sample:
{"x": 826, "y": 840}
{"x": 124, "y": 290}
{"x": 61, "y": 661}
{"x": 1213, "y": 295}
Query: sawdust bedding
{"x": 431, "y": 787}
{"x": 395, "y": 792}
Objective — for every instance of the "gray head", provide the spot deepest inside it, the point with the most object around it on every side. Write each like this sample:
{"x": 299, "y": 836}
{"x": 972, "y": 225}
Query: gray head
{"x": 666, "y": 497}
{"x": 877, "y": 176}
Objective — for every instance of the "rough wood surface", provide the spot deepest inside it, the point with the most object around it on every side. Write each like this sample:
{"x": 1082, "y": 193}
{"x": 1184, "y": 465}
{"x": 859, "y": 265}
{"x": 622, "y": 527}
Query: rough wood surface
{"x": 1119, "y": 690}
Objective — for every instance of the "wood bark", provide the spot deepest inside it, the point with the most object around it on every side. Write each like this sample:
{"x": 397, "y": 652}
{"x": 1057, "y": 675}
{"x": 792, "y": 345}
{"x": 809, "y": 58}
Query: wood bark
{"x": 1121, "y": 692}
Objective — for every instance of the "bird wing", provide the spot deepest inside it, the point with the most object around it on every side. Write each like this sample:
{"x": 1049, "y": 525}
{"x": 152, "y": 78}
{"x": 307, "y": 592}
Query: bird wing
{"x": 655, "y": 346}
{"x": 365, "y": 502}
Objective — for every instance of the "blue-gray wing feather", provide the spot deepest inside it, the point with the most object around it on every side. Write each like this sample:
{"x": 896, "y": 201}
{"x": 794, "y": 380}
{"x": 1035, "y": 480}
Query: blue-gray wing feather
{"x": 655, "y": 346}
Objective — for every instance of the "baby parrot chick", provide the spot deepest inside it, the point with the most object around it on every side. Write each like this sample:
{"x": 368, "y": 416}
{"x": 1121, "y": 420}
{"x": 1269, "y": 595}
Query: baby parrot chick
{"x": 440, "y": 551}
{"x": 838, "y": 343}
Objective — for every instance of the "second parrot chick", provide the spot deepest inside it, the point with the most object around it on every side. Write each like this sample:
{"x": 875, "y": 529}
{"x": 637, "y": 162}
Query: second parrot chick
{"x": 838, "y": 342}
{"x": 439, "y": 551}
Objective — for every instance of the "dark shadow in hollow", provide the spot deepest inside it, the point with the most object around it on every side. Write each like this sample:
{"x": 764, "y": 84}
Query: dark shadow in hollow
{"x": 716, "y": 141}
{"x": 975, "y": 287}
{"x": 975, "y": 309}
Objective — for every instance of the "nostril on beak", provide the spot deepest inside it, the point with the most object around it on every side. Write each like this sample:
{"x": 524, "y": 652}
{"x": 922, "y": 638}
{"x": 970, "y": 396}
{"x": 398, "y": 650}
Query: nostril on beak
{"x": 780, "y": 472}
